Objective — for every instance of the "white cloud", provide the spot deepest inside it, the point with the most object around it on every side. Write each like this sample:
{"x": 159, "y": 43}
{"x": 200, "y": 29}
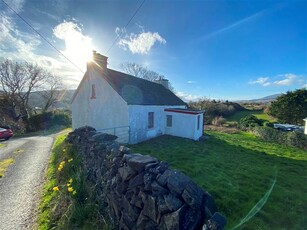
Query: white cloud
{"x": 289, "y": 79}
{"x": 138, "y": 43}
{"x": 18, "y": 45}
{"x": 13, "y": 41}
{"x": 188, "y": 97}
{"x": 264, "y": 81}
{"x": 191, "y": 82}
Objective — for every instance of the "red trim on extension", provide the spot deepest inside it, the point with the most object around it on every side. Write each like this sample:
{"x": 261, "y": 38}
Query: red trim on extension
{"x": 183, "y": 111}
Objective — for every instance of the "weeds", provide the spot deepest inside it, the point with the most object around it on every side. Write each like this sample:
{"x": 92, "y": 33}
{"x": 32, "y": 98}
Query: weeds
{"x": 67, "y": 201}
{"x": 4, "y": 165}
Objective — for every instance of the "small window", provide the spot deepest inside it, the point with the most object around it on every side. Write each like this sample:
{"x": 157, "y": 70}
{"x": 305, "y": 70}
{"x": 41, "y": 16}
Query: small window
{"x": 93, "y": 92}
{"x": 150, "y": 120}
{"x": 169, "y": 120}
{"x": 198, "y": 122}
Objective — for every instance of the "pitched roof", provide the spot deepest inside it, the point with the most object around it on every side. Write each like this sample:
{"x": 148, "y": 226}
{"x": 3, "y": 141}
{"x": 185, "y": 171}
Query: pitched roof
{"x": 137, "y": 91}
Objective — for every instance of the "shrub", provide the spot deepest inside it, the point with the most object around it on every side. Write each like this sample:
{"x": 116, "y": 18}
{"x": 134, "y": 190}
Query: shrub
{"x": 218, "y": 121}
{"x": 215, "y": 108}
{"x": 47, "y": 120}
{"x": 297, "y": 139}
{"x": 294, "y": 139}
{"x": 249, "y": 121}
{"x": 268, "y": 124}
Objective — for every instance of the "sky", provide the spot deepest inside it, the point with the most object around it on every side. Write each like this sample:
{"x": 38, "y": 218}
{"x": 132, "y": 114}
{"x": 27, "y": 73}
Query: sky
{"x": 228, "y": 50}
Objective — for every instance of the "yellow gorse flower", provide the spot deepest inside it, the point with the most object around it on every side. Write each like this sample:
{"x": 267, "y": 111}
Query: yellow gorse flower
{"x": 70, "y": 180}
{"x": 56, "y": 188}
{"x": 70, "y": 189}
{"x": 70, "y": 160}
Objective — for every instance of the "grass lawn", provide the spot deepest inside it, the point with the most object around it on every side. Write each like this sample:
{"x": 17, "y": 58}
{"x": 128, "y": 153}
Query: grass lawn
{"x": 238, "y": 170}
{"x": 258, "y": 113}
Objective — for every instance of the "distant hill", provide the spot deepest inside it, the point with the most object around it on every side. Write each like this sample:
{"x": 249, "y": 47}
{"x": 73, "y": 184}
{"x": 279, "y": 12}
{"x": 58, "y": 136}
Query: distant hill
{"x": 261, "y": 100}
{"x": 64, "y": 98}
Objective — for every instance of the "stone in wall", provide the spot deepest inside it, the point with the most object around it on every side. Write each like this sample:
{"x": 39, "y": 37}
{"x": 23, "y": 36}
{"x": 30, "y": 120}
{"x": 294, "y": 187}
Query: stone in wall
{"x": 141, "y": 191}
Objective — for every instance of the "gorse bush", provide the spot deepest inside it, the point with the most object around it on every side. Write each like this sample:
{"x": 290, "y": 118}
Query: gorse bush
{"x": 294, "y": 139}
{"x": 47, "y": 120}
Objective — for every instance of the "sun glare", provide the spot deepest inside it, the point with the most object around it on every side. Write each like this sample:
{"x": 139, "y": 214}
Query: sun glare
{"x": 78, "y": 47}
{"x": 80, "y": 53}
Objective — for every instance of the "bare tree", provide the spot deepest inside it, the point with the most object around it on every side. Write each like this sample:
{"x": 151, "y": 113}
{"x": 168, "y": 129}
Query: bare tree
{"x": 19, "y": 80}
{"x": 140, "y": 71}
{"x": 51, "y": 91}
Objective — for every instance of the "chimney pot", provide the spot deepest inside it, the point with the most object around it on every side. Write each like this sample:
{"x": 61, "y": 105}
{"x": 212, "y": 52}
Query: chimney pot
{"x": 163, "y": 82}
{"x": 100, "y": 60}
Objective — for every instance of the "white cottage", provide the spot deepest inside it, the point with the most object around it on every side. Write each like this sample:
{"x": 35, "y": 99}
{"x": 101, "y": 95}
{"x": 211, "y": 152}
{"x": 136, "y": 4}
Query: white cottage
{"x": 131, "y": 108}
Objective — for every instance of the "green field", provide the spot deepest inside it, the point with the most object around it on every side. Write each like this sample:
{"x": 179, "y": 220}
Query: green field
{"x": 258, "y": 113}
{"x": 238, "y": 170}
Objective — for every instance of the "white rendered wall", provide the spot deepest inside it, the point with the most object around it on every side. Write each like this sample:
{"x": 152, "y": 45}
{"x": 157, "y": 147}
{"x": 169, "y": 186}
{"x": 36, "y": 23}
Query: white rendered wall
{"x": 105, "y": 112}
{"x": 305, "y": 131}
{"x": 184, "y": 125}
{"x": 138, "y": 120}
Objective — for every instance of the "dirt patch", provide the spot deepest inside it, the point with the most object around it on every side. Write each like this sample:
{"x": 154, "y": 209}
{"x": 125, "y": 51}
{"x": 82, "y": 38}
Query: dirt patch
{"x": 224, "y": 129}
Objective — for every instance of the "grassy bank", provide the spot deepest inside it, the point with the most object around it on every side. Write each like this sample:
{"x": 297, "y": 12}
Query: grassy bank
{"x": 67, "y": 202}
{"x": 257, "y": 113}
{"x": 239, "y": 170}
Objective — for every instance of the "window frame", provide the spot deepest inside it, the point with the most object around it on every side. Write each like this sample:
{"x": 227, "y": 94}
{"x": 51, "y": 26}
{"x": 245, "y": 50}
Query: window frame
{"x": 198, "y": 122}
{"x": 169, "y": 121}
{"x": 93, "y": 91}
{"x": 151, "y": 118}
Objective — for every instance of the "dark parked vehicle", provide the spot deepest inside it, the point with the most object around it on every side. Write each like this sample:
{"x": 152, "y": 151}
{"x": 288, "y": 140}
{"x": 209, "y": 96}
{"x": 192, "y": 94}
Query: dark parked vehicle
{"x": 5, "y": 133}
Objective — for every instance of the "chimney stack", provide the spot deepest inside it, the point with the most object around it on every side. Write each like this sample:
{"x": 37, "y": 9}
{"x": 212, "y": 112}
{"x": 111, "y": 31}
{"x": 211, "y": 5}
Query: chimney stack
{"x": 163, "y": 82}
{"x": 100, "y": 60}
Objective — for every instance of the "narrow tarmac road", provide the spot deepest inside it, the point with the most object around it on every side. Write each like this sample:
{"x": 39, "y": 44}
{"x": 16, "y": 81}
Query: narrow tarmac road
{"x": 21, "y": 185}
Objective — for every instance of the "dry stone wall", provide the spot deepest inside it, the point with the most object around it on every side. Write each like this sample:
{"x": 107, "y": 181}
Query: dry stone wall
{"x": 140, "y": 191}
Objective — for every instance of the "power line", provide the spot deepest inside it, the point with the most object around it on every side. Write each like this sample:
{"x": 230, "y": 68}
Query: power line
{"x": 42, "y": 36}
{"x": 118, "y": 36}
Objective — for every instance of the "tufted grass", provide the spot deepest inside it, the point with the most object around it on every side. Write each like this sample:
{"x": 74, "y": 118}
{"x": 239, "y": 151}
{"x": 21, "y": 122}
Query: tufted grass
{"x": 4, "y": 164}
{"x": 239, "y": 170}
{"x": 63, "y": 209}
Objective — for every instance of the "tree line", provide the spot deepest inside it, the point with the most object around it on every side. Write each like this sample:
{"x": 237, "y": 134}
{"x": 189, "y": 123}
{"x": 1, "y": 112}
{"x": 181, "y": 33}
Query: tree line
{"x": 18, "y": 80}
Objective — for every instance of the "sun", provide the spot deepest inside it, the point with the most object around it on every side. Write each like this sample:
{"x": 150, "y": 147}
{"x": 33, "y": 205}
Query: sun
{"x": 79, "y": 52}
{"x": 78, "y": 47}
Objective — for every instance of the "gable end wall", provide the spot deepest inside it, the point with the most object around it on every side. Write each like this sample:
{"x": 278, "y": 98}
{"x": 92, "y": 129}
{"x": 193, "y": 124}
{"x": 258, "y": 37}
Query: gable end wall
{"x": 106, "y": 112}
